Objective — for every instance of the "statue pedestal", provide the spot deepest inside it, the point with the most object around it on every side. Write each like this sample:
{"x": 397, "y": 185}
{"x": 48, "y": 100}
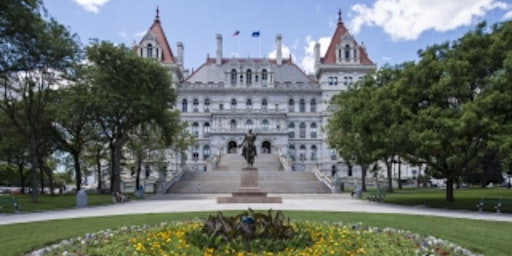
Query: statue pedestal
{"x": 249, "y": 191}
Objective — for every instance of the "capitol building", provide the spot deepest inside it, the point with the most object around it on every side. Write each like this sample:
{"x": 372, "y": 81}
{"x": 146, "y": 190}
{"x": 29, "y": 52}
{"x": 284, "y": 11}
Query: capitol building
{"x": 288, "y": 109}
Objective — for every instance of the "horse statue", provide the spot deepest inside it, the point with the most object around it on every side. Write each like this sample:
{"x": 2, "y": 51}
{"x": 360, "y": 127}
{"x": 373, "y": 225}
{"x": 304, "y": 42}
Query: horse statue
{"x": 249, "y": 150}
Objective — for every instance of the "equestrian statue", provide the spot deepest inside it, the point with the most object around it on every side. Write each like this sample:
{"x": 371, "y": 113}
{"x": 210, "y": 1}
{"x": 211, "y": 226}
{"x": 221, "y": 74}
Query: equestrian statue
{"x": 249, "y": 150}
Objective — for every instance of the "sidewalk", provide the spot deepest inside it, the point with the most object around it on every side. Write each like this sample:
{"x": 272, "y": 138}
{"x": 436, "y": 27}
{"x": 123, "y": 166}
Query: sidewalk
{"x": 207, "y": 202}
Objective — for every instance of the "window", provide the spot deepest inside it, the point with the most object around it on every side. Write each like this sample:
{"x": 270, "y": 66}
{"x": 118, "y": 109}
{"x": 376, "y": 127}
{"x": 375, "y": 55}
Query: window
{"x": 345, "y": 80}
{"x": 233, "y": 103}
{"x": 233, "y": 77}
{"x": 206, "y": 152}
{"x": 221, "y": 106}
{"x": 248, "y": 104}
{"x": 313, "y": 105}
{"x": 302, "y": 106}
{"x": 302, "y": 130}
{"x": 314, "y": 153}
{"x": 206, "y": 105}
{"x": 264, "y": 124}
{"x": 195, "y": 104}
{"x": 195, "y": 129}
{"x": 313, "y": 130}
{"x": 248, "y": 77}
{"x": 291, "y": 130}
{"x": 248, "y": 124}
{"x": 332, "y": 152}
{"x": 302, "y": 152}
{"x": 184, "y": 105}
{"x": 149, "y": 51}
{"x": 264, "y": 75}
{"x": 333, "y": 80}
{"x": 241, "y": 78}
{"x": 232, "y": 125}
{"x": 291, "y": 152}
{"x": 264, "y": 104}
{"x": 350, "y": 81}
{"x": 347, "y": 53}
{"x": 256, "y": 78}
{"x": 206, "y": 129}
{"x": 291, "y": 105}
{"x": 195, "y": 153}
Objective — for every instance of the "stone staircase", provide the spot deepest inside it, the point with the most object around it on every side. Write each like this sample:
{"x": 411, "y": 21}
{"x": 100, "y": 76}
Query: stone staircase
{"x": 271, "y": 179}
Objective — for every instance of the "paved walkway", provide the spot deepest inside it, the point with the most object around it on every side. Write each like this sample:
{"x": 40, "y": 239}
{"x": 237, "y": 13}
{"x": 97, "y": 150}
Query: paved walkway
{"x": 207, "y": 202}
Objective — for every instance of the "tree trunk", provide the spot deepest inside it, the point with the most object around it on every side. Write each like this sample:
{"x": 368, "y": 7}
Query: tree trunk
{"x": 449, "y": 189}
{"x": 389, "y": 171}
{"x": 116, "y": 167}
{"x": 33, "y": 170}
{"x": 364, "y": 169}
{"x": 98, "y": 165}
{"x": 78, "y": 171}
{"x": 137, "y": 175}
{"x": 22, "y": 178}
{"x": 399, "y": 173}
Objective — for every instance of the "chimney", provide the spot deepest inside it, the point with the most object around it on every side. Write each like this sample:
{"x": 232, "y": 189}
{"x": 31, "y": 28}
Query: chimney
{"x": 218, "y": 60}
{"x": 279, "y": 54}
{"x": 180, "y": 53}
{"x": 317, "y": 53}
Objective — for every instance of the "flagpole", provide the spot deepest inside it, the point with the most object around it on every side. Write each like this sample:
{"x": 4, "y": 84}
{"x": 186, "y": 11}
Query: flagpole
{"x": 259, "y": 47}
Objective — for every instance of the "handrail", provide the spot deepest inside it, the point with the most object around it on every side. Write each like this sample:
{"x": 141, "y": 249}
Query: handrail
{"x": 284, "y": 161}
{"x": 175, "y": 178}
{"x": 328, "y": 181}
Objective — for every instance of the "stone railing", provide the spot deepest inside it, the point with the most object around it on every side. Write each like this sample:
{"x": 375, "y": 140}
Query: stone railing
{"x": 284, "y": 160}
{"x": 174, "y": 178}
{"x": 327, "y": 180}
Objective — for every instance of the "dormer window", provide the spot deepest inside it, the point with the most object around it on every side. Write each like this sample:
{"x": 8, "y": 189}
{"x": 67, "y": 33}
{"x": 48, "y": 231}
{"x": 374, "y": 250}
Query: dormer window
{"x": 347, "y": 53}
{"x": 233, "y": 77}
{"x": 264, "y": 75}
{"x": 149, "y": 51}
{"x": 248, "y": 78}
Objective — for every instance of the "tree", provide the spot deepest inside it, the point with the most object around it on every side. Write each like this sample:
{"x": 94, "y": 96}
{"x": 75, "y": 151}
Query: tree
{"x": 127, "y": 91}
{"x": 35, "y": 53}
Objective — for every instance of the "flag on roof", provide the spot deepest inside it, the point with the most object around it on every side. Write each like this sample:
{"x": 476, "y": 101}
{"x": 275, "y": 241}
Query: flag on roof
{"x": 255, "y": 34}
{"x": 236, "y": 33}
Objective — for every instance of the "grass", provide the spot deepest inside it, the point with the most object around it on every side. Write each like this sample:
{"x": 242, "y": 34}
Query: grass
{"x": 484, "y": 237}
{"x": 48, "y": 202}
{"x": 465, "y": 199}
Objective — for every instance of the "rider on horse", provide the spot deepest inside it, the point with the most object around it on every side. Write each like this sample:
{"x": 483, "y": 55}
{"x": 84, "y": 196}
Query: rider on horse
{"x": 249, "y": 150}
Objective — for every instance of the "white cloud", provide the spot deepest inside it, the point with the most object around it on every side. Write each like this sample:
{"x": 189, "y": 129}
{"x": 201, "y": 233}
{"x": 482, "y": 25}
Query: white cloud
{"x": 407, "y": 19}
{"x": 91, "y": 5}
{"x": 507, "y": 16}
{"x": 285, "y": 51}
{"x": 123, "y": 34}
{"x": 308, "y": 62}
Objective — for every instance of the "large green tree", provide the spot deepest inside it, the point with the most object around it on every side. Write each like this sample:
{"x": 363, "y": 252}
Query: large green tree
{"x": 36, "y": 52}
{"x": 127, "y": 91}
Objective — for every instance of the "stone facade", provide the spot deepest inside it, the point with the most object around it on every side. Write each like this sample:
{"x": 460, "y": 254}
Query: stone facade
{"x": 225, "y": 97}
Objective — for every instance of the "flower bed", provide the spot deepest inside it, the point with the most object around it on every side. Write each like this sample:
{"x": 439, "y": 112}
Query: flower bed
{"x": 308, "y": 238}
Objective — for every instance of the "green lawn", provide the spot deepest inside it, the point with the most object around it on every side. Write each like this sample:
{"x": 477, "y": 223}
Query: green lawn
{"x": 55, "y": 202}
{"x": 479, "y": 236}
{"x": 465, "y": 198}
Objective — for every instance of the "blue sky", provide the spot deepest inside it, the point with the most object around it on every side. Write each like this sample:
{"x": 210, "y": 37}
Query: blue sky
{"x": 392, "y": 30}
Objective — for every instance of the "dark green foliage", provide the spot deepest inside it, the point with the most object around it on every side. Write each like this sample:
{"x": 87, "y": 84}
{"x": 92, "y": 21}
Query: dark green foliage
{"x": 250, "y": 231}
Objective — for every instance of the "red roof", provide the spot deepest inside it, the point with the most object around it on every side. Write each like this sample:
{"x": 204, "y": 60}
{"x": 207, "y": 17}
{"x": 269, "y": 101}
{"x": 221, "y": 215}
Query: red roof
{"x": 157, "y": 31}
{"x": 330, "y": 54}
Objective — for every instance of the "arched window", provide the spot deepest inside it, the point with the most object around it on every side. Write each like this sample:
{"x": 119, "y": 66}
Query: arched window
{"x": 184, "y": 105}
{"x": 265, "y": 124}
{"x": 291, "y": 152}
{"x": 149, "y": 51}
{"x": 195, "y": 129}
{"x": 264, "y": 104}
{"x": 206, "y": 128}
{"x": 248, "y": 104}
{"x": 313, "y": 105}
{"x": 233, "y": 103}
{"x": 314, "y": 153}
{"x": 291, "y": 105}
{"x": 313, "y": 130}
{"x": 232, "y": 124}
{"x": 195, "y": 104}
{"x": 233, "y": 77}
{"x": 264, "y": 75}
{"x": 347, "y": 53}
{"x": 248, "y": 77}
{"x": 248, "y": 124}
{"x": 206, "y": 152}
{"x": 291, "y": 130}
{"x": 206, "y": 105}
{"x": 302, "y": 152}
{"x": 302, "y": 130}
{"x": 302, "y": 106}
